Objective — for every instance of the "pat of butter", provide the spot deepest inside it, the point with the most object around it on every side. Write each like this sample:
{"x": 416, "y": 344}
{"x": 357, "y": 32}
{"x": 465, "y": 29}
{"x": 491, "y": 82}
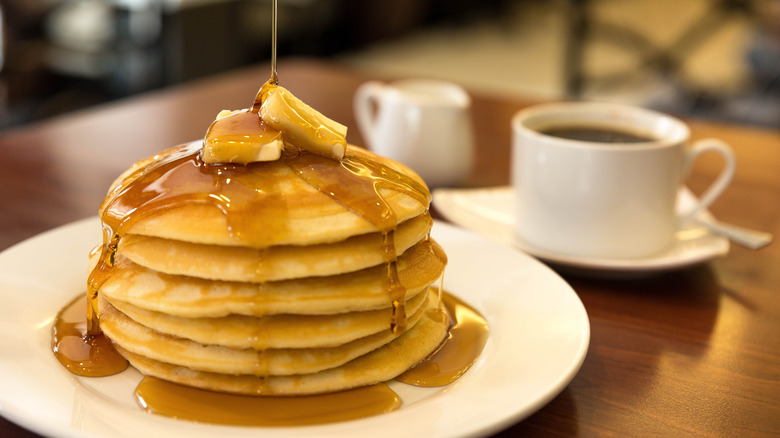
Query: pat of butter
{"x": 260, "y": 134}
{"x": 241, "y": 137}
{"x": 302, "y": 126}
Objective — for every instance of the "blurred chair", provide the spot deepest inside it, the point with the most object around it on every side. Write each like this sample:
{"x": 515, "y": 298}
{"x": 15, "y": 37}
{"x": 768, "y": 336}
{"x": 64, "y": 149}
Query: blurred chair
{"x": 584, "y": 29}
{"x": 756, "y": 101}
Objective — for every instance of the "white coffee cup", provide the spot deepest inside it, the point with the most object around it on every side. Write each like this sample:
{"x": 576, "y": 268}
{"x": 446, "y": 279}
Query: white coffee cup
{"x": 425, "y": 124}
{"x": 604, "y": 199}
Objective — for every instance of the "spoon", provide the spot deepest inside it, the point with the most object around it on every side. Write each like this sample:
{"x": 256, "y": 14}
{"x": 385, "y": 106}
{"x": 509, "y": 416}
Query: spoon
{"x": 748, "y": 238}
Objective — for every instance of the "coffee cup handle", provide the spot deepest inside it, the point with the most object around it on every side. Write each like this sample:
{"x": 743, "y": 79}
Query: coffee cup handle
{"x": 720, "y": 183}
{"x": 366, "y": 107}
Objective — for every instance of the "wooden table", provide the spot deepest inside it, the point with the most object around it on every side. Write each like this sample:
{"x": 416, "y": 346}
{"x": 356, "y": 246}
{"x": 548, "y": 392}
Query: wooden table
{"x": 688, "y": 353}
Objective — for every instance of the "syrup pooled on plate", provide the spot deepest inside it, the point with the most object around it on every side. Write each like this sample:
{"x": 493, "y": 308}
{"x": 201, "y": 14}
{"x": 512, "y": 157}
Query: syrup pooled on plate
{"x": 467, "y": 337}
{"x": 81, "y": 353}
{"x": 178, "y": 401}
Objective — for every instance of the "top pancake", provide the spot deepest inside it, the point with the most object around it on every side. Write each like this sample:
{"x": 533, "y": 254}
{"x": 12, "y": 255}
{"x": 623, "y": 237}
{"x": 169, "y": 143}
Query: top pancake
{"x": 291, "y": 201}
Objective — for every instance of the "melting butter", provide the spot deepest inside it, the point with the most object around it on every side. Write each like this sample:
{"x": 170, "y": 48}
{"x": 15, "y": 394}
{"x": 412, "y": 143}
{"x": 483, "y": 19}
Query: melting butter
{"x": 276, "y": 120}
{"x": 241, "y": 137}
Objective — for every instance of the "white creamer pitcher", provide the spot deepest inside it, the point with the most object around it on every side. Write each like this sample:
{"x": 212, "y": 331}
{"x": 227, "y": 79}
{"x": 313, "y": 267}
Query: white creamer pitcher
{"x": 425, "y": 124}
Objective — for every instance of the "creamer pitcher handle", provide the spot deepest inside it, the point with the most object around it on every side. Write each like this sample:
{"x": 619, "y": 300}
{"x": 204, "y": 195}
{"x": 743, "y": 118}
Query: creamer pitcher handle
{"x": 366, "y": 107}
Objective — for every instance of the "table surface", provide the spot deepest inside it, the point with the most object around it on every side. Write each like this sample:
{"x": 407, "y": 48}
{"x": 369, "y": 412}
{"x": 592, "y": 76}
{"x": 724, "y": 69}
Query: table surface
{"x": 686, "y": 353}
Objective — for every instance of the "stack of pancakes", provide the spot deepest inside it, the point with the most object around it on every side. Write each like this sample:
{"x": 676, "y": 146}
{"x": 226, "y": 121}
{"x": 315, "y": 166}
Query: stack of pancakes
{"x": 271, "y": 292}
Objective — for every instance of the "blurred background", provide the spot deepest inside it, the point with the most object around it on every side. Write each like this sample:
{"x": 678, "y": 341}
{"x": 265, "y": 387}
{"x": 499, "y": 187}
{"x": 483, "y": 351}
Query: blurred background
{"x": 714, "y": 59}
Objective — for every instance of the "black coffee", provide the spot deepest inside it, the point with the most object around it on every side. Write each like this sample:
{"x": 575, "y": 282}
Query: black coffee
{"x": 596, "y": 134}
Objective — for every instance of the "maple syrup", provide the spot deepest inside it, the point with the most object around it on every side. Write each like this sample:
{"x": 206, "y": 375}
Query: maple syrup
{"x": 81, "y": 353}
{"x": 173, "y": 400}
{"x": 461, "y": 349}
{"x": 355, "y": 183}
{"x": 241, "y": 128}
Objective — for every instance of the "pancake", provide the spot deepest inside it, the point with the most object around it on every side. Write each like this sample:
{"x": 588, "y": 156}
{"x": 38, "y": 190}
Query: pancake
{"x": 235, "y": 263}
{"x": 379, "y": 365}
{"x": 418, "y": 267}
{"x": 271, "y": 331}
{"x": 271, "y": 204}
{"x": 142, "y": 340}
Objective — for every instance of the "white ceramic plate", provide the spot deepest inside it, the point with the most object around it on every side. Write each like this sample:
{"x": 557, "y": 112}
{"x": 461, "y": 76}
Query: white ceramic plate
{"x": 490, "y": 212}
{"x": 539, "y": 334}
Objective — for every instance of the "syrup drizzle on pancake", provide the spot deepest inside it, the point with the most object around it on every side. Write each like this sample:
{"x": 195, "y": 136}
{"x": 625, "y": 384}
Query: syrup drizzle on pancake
{"x": 355, "y": 182}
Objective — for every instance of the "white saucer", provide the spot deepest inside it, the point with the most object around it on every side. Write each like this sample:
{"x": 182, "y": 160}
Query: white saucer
{"x": 490, "y": 212}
